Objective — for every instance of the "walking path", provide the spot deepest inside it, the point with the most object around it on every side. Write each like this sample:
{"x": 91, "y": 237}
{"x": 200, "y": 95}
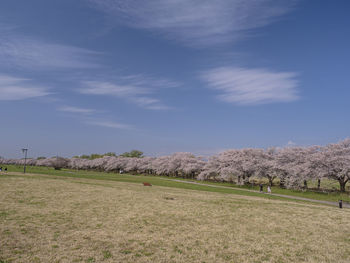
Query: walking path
{"x": 345, "y": 205}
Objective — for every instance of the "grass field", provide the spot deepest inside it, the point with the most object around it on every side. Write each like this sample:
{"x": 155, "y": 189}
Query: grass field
{"x": 65, "y": 219}
{"x": 334, "y": 196}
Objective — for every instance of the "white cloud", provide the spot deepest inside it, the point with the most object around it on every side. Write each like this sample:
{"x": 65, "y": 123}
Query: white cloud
{"x": 142, "y": 80}
{"x": 137, "y": 89}
{"x": 31, "y": 53}
{"x": 291, "y": 143}
{"x": 252, "y": 86}
{"x": 109, "y": 124}
{"x": 88, "y": 117}
{"x": 107, "y": 88}
{"x": 76, "y": 110}
{"x": 12, "y": 88}
{"x": 197, "y": 22}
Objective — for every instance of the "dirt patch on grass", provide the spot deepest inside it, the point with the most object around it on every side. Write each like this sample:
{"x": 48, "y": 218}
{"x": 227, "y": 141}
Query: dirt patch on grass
{"x": 82, "y": 220}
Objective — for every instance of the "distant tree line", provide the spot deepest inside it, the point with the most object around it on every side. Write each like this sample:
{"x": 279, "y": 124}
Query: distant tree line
{"x": 292, "y": 166}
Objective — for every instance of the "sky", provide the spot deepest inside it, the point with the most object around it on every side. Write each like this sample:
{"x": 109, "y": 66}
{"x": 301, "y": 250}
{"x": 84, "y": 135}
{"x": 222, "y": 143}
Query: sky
{"x": 164, "y": 76}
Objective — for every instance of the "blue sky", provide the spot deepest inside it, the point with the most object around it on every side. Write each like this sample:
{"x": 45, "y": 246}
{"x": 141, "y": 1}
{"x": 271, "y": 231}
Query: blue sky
{"x": 162, "y": 76}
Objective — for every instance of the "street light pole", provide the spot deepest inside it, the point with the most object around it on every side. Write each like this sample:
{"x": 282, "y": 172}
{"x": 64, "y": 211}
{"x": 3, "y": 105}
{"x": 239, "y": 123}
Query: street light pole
{"x": 25, "y": 159}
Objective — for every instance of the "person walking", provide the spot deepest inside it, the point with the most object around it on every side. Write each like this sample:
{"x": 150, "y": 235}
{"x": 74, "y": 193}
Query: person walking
{"x": 269, "y": 189}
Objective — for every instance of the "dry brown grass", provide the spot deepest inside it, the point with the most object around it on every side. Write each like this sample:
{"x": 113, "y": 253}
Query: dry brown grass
{"x": 80, "y": 220}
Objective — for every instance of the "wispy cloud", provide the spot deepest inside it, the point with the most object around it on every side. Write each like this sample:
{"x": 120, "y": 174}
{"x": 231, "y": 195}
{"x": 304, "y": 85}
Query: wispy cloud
{"x": 72, "y": 109}
{"x": 12, "y": 88}
{"x": 197, "y": 22}
{"x": 108, "y": 124}
{"x": 89, "y": 117}
{"x": 252, "y": 86}
{"x": 33, "y": 53}
{"x": 137, "y": 89}
{"x": 291, "y": 144}
{"x": 107, "y": 88}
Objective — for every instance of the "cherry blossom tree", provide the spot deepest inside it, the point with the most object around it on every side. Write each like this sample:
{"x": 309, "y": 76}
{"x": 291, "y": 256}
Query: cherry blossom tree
{"x": 211, "y": 170}
{"x": 145, "y": 165}
{"x": 98, "y": 163}
{"x": 116, "y": 164}
{"x": 161, "y": 165}
{"x": 266, "y": 165}
{"x": 191, "y": 166}
{"x": 55, "y": 162}
{"x": 295, "y": 165}
{"x": 185, "y": 165}
{"x": 333, "y": 161}
{"x": 231, "y": 166}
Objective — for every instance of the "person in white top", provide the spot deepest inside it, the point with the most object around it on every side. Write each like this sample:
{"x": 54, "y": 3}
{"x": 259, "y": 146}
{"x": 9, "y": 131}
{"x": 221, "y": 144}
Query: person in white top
{"x": 269, "y": 189}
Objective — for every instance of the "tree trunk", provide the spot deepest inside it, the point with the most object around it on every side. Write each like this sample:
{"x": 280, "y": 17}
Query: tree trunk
{"x": 282, "y": 182}
{"x": 270, "y": 180}
{"x": 246, "y": 180}
{"x": 305, "y": 184}
{"x": 342, "y": 184}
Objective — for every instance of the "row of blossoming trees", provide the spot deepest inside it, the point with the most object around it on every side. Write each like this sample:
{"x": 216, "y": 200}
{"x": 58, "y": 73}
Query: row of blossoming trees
{"x": 293, "y": 166}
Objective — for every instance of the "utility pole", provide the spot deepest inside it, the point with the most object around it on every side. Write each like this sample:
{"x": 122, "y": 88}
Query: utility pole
{"x": 25, "y": 159}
